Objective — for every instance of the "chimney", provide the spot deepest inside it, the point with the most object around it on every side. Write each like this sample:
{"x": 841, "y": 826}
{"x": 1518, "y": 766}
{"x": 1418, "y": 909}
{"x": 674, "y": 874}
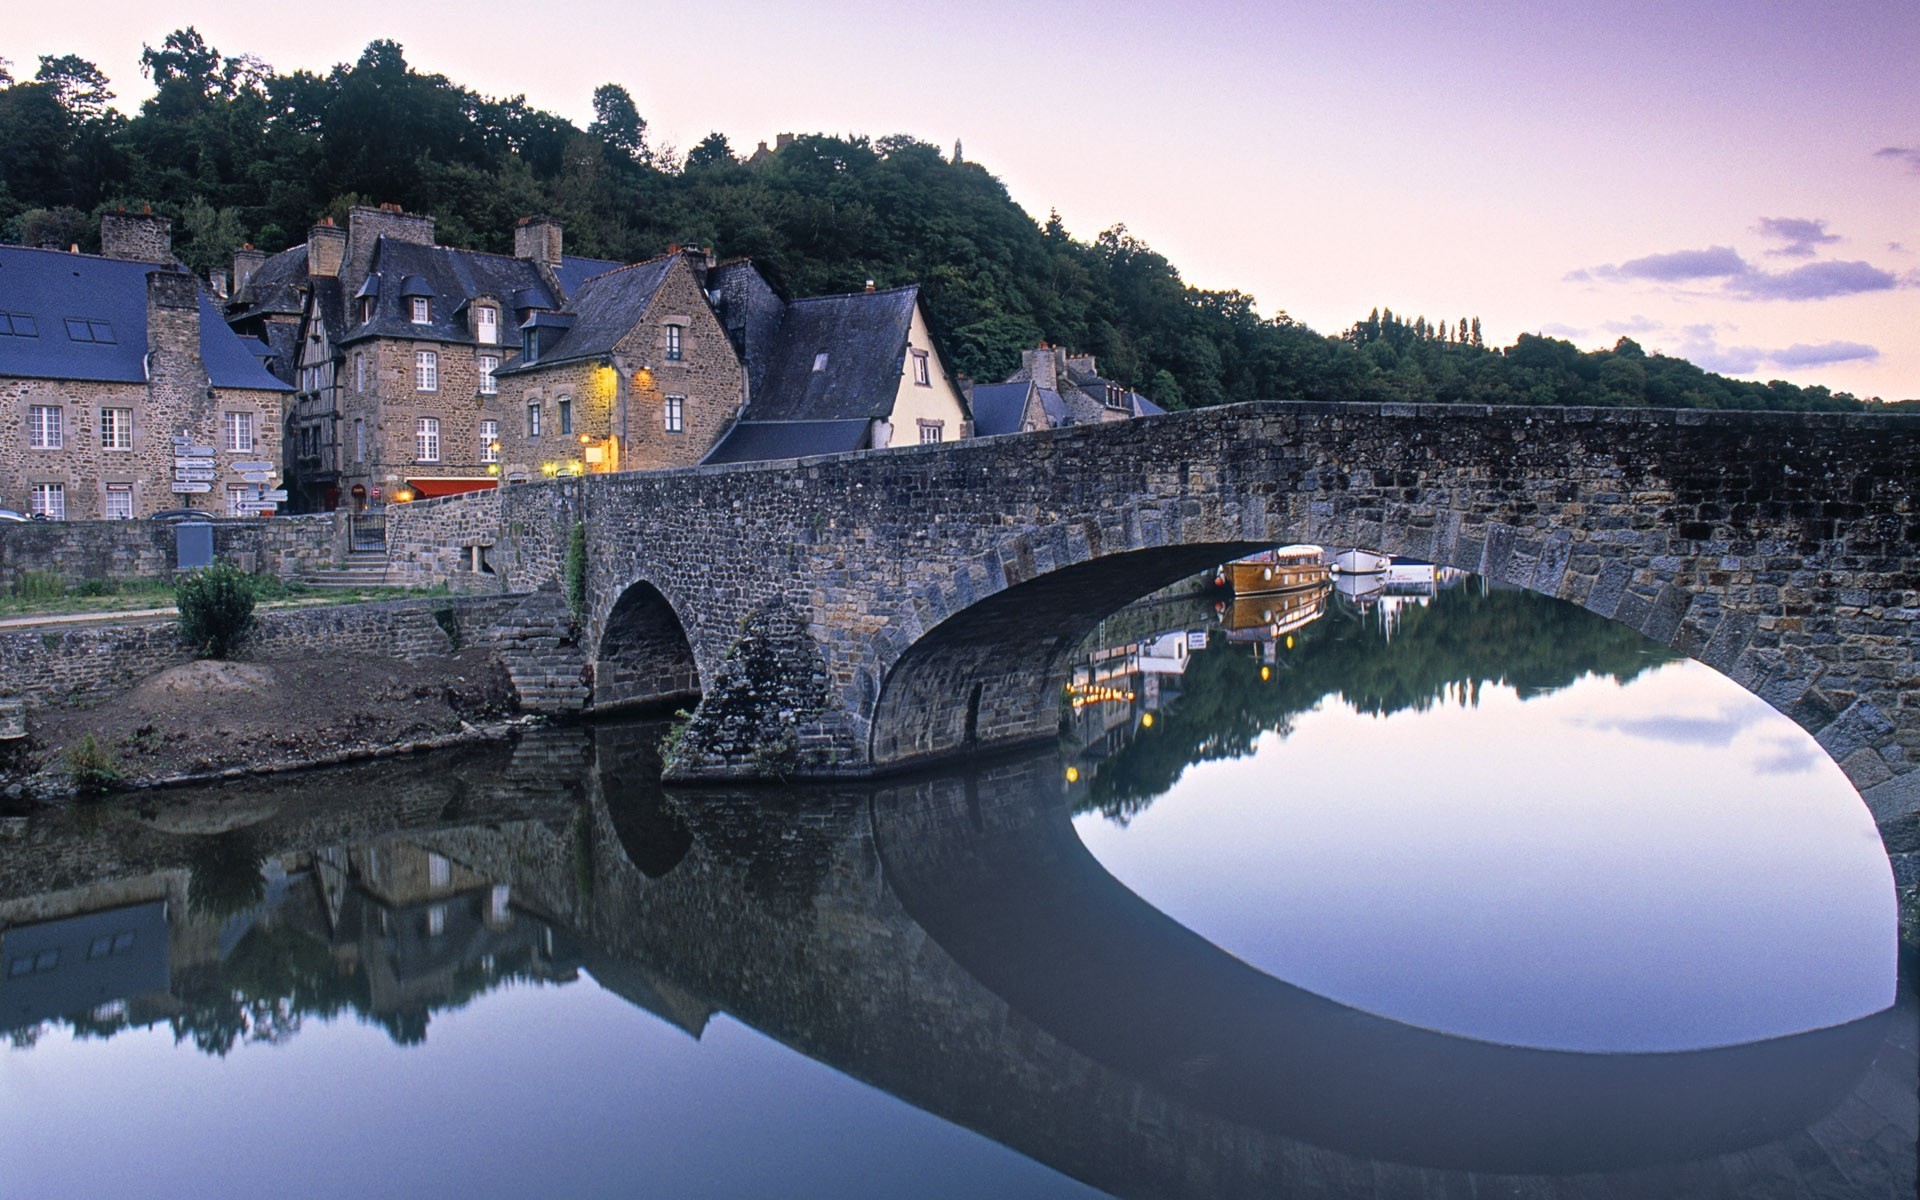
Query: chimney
{"x": 869, "y": 286}
{"x": 538, "y": 238}
{"x": 367, "y": 225}
{"x": 326, "y": 249}
{"x": 1041, "y": 366}
{"x": 217, "y": 280}
{"x": 246, "y": 260}
{"x": 176, "y": 375}
{"x": 782, "y": 140}
{"x": 137, "y": 237}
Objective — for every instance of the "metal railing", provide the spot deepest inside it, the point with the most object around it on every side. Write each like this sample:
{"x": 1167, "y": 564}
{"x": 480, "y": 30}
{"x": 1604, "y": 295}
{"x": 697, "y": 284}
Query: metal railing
{"x": 366, "y": 531}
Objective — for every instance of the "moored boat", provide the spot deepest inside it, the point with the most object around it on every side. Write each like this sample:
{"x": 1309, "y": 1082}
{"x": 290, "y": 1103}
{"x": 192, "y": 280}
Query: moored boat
{"x": 1287, "y": 569}
{"x": 1359, "y": 562}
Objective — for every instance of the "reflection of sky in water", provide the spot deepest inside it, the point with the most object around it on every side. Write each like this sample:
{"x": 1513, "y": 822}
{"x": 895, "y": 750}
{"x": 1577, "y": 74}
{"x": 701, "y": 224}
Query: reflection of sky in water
{"x": 1662, "y": 865}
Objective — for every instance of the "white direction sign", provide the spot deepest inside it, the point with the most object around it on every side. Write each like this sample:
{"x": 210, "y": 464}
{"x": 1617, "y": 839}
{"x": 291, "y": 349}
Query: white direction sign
{"x": 257, "y": 476}
{"x": 253, "y": 506}
{"x": 183, "y": 488}
{"x": 253, "y": 466}
{"x": 277, "y": 496}
{"x": 198, "y": 451}
{"x": 195, "y": 474}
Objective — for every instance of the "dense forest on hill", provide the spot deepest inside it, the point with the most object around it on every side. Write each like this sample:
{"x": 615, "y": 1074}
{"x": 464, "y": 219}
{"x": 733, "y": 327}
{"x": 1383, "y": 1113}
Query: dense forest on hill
{"x": 235, "y": 152}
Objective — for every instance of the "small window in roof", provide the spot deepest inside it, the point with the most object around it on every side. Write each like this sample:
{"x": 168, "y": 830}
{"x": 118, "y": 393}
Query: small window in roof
{"x": 17, "y": 325}
{"x": 820, "y": 361}
{"x": 82, "y": 329}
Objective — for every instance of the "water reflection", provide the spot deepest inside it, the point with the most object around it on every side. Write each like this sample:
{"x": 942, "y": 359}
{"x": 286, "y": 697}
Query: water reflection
{"x": 978, "y": 944}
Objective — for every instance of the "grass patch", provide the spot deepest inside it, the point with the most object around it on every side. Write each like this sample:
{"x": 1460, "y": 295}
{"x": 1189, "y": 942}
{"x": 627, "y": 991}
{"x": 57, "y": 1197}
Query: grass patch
{"x": 92, "y": 765}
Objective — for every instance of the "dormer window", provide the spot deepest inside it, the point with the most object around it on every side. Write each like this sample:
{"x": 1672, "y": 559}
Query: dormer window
{"x": 1116, "y": 396}
{"x": 922, "y": 376}
{"x": 486, "y": 325}
{"x": 366, "y": 309}
{"x": 673, "y": 343}
{"x": 820, "y": 361}
{"x": 422, "y": 311}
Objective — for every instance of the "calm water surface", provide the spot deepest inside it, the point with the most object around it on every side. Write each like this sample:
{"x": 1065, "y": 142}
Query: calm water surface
{"x": 1463, "y": 891}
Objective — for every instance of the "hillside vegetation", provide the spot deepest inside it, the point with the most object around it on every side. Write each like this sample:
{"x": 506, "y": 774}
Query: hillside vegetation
{"x": 236, "y": 152}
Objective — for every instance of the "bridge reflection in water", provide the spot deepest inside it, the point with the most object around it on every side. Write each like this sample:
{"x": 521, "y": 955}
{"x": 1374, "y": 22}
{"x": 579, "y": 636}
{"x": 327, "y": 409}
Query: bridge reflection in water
{"x": 950, "y": 940}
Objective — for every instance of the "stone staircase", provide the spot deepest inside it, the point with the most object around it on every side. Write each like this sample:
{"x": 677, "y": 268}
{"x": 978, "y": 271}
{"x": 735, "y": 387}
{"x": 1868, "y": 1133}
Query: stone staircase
{"x": 363, "y": 569}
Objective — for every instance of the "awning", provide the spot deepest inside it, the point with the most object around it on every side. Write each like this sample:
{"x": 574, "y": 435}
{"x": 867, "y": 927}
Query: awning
{"x": 427, "y": 489}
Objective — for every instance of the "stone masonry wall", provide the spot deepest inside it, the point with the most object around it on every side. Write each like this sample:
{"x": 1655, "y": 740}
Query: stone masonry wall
{"x": 86, "y": 665}
{"x": 126, "y": 550}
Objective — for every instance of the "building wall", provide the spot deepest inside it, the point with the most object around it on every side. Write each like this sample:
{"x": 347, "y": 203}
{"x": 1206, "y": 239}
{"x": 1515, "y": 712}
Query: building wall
{"x": 392, "y": 405}
{"x": 938, "y": 401}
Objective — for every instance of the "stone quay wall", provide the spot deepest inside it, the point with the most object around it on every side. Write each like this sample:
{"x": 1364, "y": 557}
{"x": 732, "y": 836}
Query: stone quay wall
{"x": 87, "y": 665}
{"x": 77, "y": 551}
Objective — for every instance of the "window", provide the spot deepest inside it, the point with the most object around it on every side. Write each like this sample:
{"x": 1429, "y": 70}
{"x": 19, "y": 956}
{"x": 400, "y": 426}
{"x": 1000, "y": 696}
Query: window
{"x": 489, "y": 441}
{"x": 366, "y": 309}
{"x": 119, "y": 502}
{"x": 426, "y": 371}
{"x": 422, "y": 311}
{"x": 359, "y": 439}
{"x": 820, "y": 361}
{"x": 236, "y": 429}
{"x": 48, "y": 500}
{"x": 673, "y": 343}
{"x": 920, "y": 372}
{"x": 489, "y": 363}
{"x": 1116, "y": 396}
{"x": 486, "y": 325}
{"x": 45, "y": 427}
{"x": 566, "y": 415}
{"x": 931, "y": 432}
{"x": 676, "y": 414}
{"x": 360, "y": 373}
{"x": 533, "y": 419}
{"x": 82, "y": 330}
{"x": 17, "y": 325}
{"x": 426, "y": 439}
{"x": 437, "y": 920}
{"x": 237, "y": 496}
{"x": 439, "y": 871}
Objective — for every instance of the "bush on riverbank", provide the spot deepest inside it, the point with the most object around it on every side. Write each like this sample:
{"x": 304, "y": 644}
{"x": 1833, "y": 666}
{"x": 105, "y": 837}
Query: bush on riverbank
{"x": 216, "y": 608}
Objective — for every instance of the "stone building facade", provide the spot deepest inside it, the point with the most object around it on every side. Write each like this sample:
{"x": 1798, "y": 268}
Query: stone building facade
{"x": 122, "y": 393}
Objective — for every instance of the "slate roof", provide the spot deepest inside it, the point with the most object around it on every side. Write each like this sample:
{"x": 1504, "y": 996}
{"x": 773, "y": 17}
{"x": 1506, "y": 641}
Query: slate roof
{"x": 604, "y": 310}
{"x": 452, "y": 278}
{"x": 999, "y": 407}
{"x": 760, "y": 441}
{"x": 1055, "y": 408}
{"x": 574, "y": 271}
{"x": 52, "y": 289}
{"x": 274, "y": 287}
{"x": 863, "y": 335}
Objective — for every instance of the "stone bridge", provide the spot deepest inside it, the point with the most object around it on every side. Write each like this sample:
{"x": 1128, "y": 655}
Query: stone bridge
{"x": 851, "y": 614}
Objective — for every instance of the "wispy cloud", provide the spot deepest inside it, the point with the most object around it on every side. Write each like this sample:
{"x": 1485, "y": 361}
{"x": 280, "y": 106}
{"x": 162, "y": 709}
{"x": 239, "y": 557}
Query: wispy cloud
{"x": 1680, "y": 266}
{"x": 1910, "y": 155}
{"x": 1568, "y": 332}
{"x": 1822, "y": 354}
{"x": 1800, "y": 235}
{"x": 1701, "y": 346}
{"x": 1814, "y": 281}
{"x": 1632, "y": 325}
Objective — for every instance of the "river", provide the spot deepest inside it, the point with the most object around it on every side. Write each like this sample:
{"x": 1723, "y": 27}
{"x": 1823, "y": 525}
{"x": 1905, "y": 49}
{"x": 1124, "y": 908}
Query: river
{"x": 1454, "y": 893}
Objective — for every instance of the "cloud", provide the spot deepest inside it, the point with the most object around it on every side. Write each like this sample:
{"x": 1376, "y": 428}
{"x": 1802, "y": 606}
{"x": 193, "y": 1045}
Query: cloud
{"x": 1909, "y": 155}
{"x": 1815, "y": 281}
{"x": 1825, "y": 353}
{"x": 1718, "y": 730}
{"x": 1801, "y": 235}
{"x": 1634, "y": 324}
{"x": 1567, "y": 332}
{"x": 1715, "y": 262}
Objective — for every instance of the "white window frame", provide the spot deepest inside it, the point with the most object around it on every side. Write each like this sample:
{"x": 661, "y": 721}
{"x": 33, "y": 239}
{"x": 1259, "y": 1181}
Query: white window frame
{"x": 359, "y": 439}
{"x": 676, "y": 343}
{"x": 533, "y": 419}
{"x": 922, "y": 373}
{"x": 489, "y": 441}
{"x": 236, "y": 432}
{"x": 564, "y": 415}
{"x": 421, "y": 311}
{"x": 47, "y": 500}
{"x": 932, "y": 433}
{"x": 426, "y": 371}
{"x": 237, "y": 494}
{"x": 46, "y": 427}
{"x": 426, "y": 439}
{"x": 116, "y": 429}
{"x": 360, "y": 373}
{"x": 675, "y": 415}
{"x": 486, "y": 325}
{"x": 123, "y": 494}
{"x": 489, "y": 363}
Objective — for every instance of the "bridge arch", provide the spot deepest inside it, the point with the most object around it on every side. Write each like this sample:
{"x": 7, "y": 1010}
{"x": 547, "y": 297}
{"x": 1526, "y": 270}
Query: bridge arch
{"x": 643, "y": 654}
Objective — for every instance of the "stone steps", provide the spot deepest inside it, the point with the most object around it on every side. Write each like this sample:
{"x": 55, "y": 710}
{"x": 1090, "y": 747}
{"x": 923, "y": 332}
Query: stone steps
{"x": 363, "y": 569}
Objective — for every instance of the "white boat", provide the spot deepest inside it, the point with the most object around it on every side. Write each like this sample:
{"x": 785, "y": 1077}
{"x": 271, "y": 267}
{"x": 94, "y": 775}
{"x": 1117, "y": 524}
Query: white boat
{"x": 1359, "y": 562}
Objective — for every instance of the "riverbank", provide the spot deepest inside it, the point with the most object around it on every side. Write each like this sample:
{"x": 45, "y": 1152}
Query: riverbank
{"x": 207, "y": 720}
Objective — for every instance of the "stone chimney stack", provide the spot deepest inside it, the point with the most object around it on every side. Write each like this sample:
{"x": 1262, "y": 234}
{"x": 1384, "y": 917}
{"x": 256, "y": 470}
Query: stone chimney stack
{"x": 137, "y": 237}
{"x": 1042, "y": 365}
{"x": 217, "y": 281}
{"x": 176, "y": 374}
{"x": 366, "y": 226}
{"x": 538, "y": 239}
{"x": 326, "y": 249}
{"x": 246, "y": 260}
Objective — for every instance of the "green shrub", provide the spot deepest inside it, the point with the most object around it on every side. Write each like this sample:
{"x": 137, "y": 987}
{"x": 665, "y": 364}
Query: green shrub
{"x": 577, "y": 569}
{"x": 216, "y": 608}
{"x": 39, "y": 585}
{"x": 92, "y": 765}
{"x": 97, "y": 587}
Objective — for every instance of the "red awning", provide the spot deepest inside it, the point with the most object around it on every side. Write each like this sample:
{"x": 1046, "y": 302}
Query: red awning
{"x": 427, "y": 489}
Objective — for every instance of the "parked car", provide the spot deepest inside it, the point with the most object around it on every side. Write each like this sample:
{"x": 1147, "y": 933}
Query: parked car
{"x": 7, "y": 514}
{"x": 182, "y": 514}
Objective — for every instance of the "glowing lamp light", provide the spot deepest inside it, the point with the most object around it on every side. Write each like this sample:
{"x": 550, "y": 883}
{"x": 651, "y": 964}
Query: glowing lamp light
{"x": 1266, "y": 673}
{"x": 550, "y": 469}
{"x": 402, "y": 496}
{"x": 493, "y": 468}
{"x": 1289, "y": 641}
{"x": 1073, "y": 774}
{"x": 1146, "y": 720}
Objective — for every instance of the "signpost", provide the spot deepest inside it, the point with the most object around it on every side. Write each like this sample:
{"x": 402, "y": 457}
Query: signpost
{"x": 253, "y": 466}
{"x": 257, "y": 476}
{"x": 184, "y": 488}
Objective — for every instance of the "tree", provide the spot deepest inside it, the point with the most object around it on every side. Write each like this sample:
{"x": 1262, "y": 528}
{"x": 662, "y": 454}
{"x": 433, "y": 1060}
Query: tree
{"x": 710, "y": 151}
{"x": 77, "y": 85}
{"x": 617, "y": 121}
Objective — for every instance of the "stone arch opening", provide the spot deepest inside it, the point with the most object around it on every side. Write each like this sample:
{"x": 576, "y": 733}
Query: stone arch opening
{"x": 991, "y": 674}
{"x": 645, "y": 658}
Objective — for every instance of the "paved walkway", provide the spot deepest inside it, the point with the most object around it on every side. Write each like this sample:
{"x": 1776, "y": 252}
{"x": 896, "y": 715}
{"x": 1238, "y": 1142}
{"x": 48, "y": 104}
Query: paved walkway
{"x": 125, "y": 616}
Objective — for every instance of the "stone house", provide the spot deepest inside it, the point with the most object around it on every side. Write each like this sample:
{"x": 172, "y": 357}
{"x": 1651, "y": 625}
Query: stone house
{"x": 397, "y": 347}
{"x": 636, "y": 373}
{"x": 115, "y": 366}
{"x": 1071, "y": 391}
{"x": 837, "y": 373}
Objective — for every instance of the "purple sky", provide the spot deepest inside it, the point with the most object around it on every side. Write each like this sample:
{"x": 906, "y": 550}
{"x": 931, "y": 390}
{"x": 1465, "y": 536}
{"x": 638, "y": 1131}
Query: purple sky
{"x": 1734, "y": 182}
